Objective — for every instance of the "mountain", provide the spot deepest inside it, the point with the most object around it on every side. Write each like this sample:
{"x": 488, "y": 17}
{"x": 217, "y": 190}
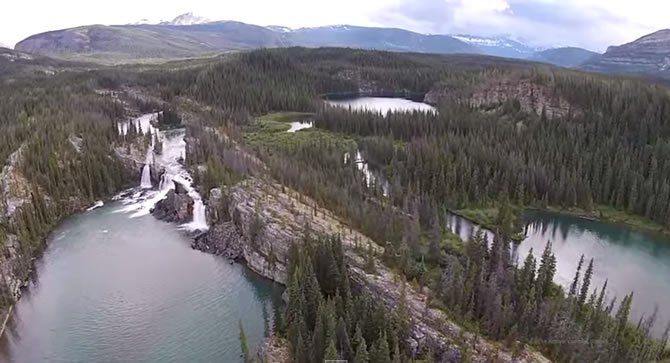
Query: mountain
{"x": 500, "y": 46}
{"x": 391, "y": 39}
{"x": 648, "y": 56}
{"x": 119, "y": 43}
{"x": 565, "y": 57}
{"x": 186, "y": 19}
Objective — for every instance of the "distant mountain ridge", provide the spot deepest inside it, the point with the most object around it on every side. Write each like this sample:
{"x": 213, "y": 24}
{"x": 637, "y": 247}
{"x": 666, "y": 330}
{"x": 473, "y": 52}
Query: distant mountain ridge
{"x": 128, "y": 42}
{"x": 648, "y": 56}
{"x": 500, "y": 46}
{"x": 565, "y": 57}
{"x": 189, "y": 35}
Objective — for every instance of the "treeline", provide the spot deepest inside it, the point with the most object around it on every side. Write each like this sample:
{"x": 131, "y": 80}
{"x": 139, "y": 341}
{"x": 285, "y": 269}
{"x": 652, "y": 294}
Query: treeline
{"x": 325, "y": 320}
{"x": 467, "y": 157}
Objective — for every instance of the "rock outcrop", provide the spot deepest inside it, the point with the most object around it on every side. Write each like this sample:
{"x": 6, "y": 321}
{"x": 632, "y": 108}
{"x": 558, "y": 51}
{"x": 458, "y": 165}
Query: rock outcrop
{"x": 649, "y": 55}
{"x": 177, "y": 206}
{"x": 491, "y": 91}
{"x": 266, "y": 219}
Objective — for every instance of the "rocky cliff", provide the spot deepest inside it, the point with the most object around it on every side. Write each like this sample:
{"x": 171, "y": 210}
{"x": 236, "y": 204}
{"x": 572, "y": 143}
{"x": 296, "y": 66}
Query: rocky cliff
{"x": 492, "y": 90}
{"x": 649, "y": 56}
{"x": 264, "y": 219}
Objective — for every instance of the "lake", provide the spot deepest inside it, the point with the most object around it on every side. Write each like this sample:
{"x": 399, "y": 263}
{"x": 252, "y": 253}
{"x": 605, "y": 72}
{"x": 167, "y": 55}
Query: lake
{"x": 382, "y": 104}
{"x": 630, "y": 260}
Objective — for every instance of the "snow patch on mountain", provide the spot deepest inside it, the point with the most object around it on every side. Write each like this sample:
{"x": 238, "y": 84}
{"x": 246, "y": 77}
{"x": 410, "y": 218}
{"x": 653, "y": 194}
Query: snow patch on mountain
{"x": 279, "y": 28}
{"x": 186, "y": 19}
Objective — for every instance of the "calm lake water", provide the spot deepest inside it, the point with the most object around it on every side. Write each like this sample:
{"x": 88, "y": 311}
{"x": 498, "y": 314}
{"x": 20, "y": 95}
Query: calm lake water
{"x": 111, "y": 288}
{"x": 630, "y": 260}
{"x": 382, "y": 104}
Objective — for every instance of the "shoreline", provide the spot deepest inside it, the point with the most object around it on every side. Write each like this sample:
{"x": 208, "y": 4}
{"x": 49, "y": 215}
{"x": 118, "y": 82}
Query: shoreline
{"x": 659, "y": 231}
{"x": 23, "y": 283}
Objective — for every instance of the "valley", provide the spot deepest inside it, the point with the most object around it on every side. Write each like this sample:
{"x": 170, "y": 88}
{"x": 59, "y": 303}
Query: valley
{"x": 234, "y": 172}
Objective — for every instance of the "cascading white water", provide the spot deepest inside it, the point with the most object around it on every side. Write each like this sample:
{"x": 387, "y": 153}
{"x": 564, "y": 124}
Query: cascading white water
{"x": 145, "y": 182}
{"x": 171, "y": 160}
{"x": 199, "y": 215}
{"x": 166, "y": 182}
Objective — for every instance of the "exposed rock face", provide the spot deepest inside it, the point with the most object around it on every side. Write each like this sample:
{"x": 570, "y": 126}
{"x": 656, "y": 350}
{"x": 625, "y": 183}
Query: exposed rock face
{"x": 14, "y": 187}
{"x": 214, "y": 201}
{"x": 222, "y": 240}
{"x": 491, "y": 91}
{"x": 177, "y": 206}
{"x": 274, "y": 350}
{"x": 649, "y": 55}
{"x": 266, "y": 219}
{"x": 132, "y": 159}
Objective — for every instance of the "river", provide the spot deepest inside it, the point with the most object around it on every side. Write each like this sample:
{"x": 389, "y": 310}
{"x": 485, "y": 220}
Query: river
{"x": 117, "y": 285}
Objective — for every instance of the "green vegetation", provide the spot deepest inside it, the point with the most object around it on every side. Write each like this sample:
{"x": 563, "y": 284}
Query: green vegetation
{"x": 286, "y": 116}
{"x": 457, "y": 158}
{"x": 62, "y": 135}
{"x": 267, "y": 132}
{"x": 325, "y": 319}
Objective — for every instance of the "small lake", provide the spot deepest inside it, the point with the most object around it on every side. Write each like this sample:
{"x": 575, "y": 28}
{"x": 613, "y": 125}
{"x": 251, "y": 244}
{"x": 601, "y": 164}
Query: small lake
{"x": 382, "y": 104}
{"x": 630, "y": 260}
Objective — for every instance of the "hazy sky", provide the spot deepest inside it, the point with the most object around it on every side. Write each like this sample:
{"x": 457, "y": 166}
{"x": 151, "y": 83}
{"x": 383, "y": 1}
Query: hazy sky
{"x": 593, "y": 24}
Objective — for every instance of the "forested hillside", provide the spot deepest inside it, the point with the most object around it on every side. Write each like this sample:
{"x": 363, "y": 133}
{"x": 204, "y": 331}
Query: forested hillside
{"x": 56, "y": 145}
{"x": 602, "y": 143}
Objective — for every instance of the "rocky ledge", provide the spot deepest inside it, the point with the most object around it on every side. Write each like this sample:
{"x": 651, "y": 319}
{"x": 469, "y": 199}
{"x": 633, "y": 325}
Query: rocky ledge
{"x": 263, "y": 219}
{"x": 177, "y": 206}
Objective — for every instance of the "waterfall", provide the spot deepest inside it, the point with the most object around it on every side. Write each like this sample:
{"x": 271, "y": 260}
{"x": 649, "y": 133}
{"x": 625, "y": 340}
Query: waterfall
{"x": 166, "y": 182}
{"x": 199, "y": 217}
{"x": 145, "y": 182}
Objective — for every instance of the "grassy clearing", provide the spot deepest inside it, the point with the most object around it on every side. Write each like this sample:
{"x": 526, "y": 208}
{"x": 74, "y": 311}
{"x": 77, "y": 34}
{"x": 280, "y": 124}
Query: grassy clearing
{"x": 286, "y": 116}
{"x": 270, "y": 132}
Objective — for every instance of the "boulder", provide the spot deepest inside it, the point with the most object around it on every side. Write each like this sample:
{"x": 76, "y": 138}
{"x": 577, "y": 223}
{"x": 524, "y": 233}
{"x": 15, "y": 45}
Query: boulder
{"x": 222, "y": 240}
{"x": 179, "y": 188}
{"x": 174, "y": 207}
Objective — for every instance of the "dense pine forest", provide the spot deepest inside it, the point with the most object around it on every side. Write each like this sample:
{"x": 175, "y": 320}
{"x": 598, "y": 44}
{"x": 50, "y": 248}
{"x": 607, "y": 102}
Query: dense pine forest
{"x": 606, "y": 147}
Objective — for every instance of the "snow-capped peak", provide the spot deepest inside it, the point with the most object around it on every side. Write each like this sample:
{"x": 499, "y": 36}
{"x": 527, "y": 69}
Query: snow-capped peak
{"x": 485, "y": 41}
{"x": 142, "y": 22}
{"x": 186, "y": 19}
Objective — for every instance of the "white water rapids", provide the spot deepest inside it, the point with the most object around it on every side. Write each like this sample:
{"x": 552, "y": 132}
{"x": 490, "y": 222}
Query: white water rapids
{"x": 171, "y": 159}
